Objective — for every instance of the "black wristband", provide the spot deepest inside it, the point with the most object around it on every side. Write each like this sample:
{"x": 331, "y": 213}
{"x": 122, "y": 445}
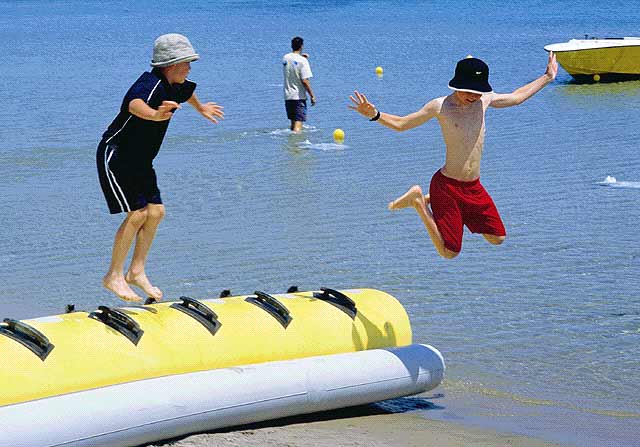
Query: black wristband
{"x": 377, "y": 117}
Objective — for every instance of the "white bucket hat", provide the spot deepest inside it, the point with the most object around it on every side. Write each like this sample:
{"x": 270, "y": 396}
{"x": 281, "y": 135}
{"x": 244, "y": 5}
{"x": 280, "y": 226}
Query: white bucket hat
{"x": 170, "y": 49}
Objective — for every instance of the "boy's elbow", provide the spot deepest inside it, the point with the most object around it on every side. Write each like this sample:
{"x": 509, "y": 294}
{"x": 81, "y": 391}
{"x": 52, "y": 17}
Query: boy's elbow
{"x": 398, "y": 126}
{"x": 518, "y": 98}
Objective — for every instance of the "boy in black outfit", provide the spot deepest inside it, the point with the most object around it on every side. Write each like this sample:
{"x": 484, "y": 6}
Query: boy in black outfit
{"x": 125, "y": 158}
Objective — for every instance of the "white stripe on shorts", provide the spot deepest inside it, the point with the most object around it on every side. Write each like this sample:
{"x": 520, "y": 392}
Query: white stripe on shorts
{"x": 112, "y": 179}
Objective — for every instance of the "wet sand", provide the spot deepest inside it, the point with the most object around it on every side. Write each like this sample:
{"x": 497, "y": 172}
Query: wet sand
{"x": 370, "y": 425}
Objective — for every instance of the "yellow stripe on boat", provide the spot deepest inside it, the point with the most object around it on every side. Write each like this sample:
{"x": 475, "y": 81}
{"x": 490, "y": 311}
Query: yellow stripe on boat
{"x": 621, "y": 60}
{"x": 89, "y": 354}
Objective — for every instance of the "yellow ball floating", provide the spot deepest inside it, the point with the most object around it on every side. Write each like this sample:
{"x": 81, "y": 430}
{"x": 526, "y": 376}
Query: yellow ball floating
{"x": 596, "y": 77}
{"x": 379, "y": 71}
{"x": 338, "y": 135}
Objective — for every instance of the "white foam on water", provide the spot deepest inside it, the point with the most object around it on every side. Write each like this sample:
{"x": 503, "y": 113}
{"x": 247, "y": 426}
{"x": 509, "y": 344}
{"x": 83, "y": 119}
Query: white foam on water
{"x": 281, "y": 132}
{"x": 612, "y": 182}
{"x": 608, "y": 180}
{"x": 306, "y": 129}
{"x": 306, "y": 144}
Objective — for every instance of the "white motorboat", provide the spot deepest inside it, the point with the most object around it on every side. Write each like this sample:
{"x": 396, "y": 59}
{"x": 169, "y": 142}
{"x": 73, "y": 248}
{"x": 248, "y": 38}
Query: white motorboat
{"x": 594, "y": 59}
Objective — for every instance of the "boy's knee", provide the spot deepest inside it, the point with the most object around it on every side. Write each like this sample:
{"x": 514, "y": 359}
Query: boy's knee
{"x": 448, "y": 254}
{"x": 156, "y": 212}
{"x": 495, "y": 240}
{"x": 138, "y": 217}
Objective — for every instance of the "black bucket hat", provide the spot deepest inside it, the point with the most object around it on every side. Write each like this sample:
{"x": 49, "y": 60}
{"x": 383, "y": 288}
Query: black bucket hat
{"x": 472, "y": 75}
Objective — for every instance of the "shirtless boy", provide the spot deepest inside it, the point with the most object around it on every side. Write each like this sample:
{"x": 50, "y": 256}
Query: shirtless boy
{"x": 125, "y": 159}
{"x": 456, "y": 197}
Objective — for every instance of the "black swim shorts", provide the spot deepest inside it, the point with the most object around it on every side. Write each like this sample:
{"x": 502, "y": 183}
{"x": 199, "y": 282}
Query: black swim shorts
{"x": 126, "y": 188}
{"x": 296, "y": 109}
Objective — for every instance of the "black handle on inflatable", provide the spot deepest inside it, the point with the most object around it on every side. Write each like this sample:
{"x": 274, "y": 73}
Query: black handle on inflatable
{"x": 200, "y": 312}
{"x": 119, "y": 321}
{"x": 339, "y": 300}
{"x": 272, "y": 306}
{"x": 27, "y": 336}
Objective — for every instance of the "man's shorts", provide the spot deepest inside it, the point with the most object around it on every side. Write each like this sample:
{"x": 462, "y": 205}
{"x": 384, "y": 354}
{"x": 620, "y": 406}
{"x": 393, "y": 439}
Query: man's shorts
{"x": 455, "y": 203}
{"x": 124, "y": 187}
{"x": 296, "y": 109}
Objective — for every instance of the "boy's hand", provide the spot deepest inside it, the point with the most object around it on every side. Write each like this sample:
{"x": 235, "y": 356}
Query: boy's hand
{"x": 362, "y": 105}
{"x": 211, "y": 111}
{"x": 165, "y": 110}
{"x": 552, "y": 66}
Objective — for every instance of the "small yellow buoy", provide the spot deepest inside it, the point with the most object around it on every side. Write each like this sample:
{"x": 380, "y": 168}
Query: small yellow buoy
{"x": 379, "y": 71}
{"x": 596, "y": 77}
{"x": 338, "y": 136}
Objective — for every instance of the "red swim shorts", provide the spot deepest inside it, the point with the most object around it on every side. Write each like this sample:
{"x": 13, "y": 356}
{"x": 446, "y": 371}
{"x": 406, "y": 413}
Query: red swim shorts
{"x": 455, "y": 203}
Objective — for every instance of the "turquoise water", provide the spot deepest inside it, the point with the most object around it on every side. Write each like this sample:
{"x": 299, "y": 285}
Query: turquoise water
{"x": 549, "y": 320}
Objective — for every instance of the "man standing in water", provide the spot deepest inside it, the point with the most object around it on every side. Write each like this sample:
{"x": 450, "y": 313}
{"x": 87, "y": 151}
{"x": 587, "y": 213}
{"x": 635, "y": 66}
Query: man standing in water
{"x": 456, "y": 196}
{"x": 297, "y": 73}
{"x": 125, "y": 158}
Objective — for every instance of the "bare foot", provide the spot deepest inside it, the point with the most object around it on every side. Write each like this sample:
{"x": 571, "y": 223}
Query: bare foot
{"x": 119, "y": 286}
{"x": 143, "y": 282}
{"x": 411, "y": 198}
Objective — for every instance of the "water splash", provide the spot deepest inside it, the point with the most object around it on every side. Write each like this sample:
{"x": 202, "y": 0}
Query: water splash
{"x": 306, "y": 129}
{"x": 281, "y": 132}
{"x": 612, "y": 182}
{"x": 306, "y": 144}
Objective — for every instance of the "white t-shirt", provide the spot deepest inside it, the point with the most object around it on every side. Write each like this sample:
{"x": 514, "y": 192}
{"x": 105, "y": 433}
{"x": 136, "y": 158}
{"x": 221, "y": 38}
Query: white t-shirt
{"x": 295, "y": 68}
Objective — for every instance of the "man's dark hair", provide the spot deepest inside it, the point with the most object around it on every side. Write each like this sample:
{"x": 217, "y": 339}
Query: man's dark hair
{"x": 296, "y": 43}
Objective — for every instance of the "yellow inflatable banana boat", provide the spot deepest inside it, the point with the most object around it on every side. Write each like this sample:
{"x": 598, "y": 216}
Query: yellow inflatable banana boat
{"x": 78, "y": 351}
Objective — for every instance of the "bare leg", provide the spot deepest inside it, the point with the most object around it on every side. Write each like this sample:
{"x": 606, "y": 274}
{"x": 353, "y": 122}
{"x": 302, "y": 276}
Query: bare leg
{"x": 493, "y": 239}
{"x": 296, "y": 126}
{"x": 114, "y": 279}
{"x": 420, "y": 203}
{"x": 136, "y": 275}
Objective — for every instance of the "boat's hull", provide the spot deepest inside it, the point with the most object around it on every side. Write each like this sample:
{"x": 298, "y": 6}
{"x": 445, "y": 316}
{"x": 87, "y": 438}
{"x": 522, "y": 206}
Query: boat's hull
{"x": 618, "y": 63}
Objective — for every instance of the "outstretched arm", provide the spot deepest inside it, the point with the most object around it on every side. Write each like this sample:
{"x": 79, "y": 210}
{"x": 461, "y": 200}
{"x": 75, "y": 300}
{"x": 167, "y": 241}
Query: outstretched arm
{"x": 527, "y": 91}
{"x": 142, "y": 110}
{"x": 398, "y": 123}
{"x": 210, "y": 110}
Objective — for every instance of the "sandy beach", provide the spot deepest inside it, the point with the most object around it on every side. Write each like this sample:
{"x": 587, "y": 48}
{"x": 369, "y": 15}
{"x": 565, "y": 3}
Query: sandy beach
{"x": 369, "y": 425}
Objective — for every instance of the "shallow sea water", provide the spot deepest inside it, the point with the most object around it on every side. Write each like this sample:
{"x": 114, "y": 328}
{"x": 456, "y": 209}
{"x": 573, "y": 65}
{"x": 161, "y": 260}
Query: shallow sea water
{"x": 549, "y": 320}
